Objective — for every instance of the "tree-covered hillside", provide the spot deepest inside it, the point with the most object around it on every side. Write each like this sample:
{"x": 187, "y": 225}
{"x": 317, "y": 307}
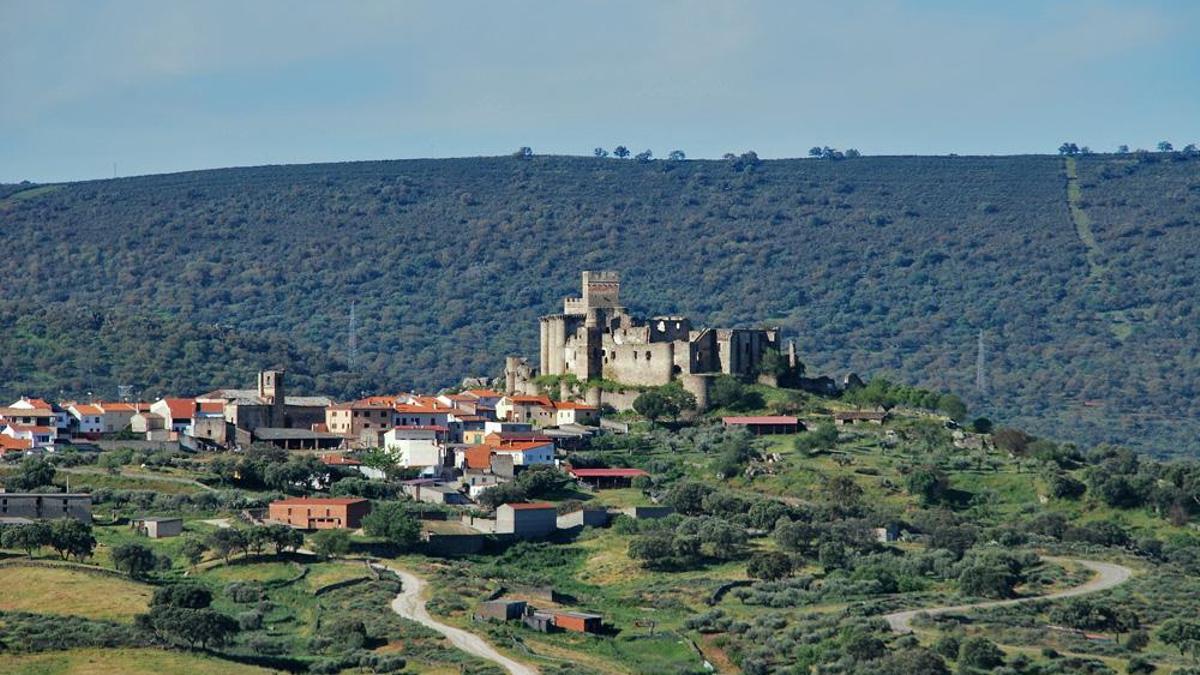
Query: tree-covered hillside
{"x": 878, "y": 265}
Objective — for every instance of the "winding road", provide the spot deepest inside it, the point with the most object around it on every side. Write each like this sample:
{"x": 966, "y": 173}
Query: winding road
{"x": 1108, "y": 575}
{"x": 410, "y": 605}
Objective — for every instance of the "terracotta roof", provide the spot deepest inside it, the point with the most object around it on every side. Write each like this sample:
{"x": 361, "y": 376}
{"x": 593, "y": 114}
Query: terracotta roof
{"x": 181, "y": 408}
{"x": 121, "y": 406}
{"x": 520, "y": 447}
{"x": 483, "y": 393}
{"x": 10, "y": 443}
{"x": 530, "y": 506}
{"x": 211, "y": 407}
{"x": 319, "y": 501}
{"x": 88, "y": 409}
{"x": 422, "y": 410}
{"x": 26, "y": 412}
{"x": 479, "y": 457}
{"x": 531, "y": 400}
{"x": 573, "y": 405}
{"x": 607, "y": 473}
{"x": 762, "y": 419}
{"x": 340, "y": 460}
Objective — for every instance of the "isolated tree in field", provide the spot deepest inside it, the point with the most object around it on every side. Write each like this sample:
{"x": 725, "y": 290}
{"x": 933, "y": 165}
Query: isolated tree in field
{"x": 134, "y": 559}
{"x": 34, "y": 473}
{"x": 523, "y": 152}
{"x": 600, "y": 152}
{"x": 1068, "y": 149}
{"x": 1122, "y": 149}
{"x": 677, "y": 156}
{"x": 621, "y": 151}
{"x": 769, "y": 565}
{"x": 28, "y": 538}
{"x": 644, "y": 156}
{"x": 814, "y": 151}
{"x": 226, "y": 542}
{"x": 284, "y": 537}
{"x": 331, "y": 543}
{"x": 69, "y": 537}
{"x": 981, "y": 425}
{"x": 851, "y": 153}
{"x": 952, "y": 406}
{"x": 678, "y": 398}
{"x": 981, "y": 653}
{"x": 1165, "y": 146}
{"x": 654, "y": 406}
{"x": 393, "y": 522}
{"x": 1183, "y": 634}
{"x": 193, "y": 550}
{"x": 190, "y": 595}
{"x": 927, "y": 483}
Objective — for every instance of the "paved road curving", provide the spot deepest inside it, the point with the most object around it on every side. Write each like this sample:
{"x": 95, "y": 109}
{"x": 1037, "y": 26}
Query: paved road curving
{"x": 1108, "y": 575}
{"x": 410, "y": 605}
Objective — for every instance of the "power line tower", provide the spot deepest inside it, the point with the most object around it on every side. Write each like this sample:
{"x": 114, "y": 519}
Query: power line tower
{"x": 352, "y": 346}
{"x": 980, "y": 360}
{"x": 125, "y": 392}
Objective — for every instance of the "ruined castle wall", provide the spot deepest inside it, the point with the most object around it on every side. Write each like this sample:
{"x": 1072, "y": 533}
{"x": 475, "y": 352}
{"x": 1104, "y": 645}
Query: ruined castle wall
{"x": 639, "y": 364}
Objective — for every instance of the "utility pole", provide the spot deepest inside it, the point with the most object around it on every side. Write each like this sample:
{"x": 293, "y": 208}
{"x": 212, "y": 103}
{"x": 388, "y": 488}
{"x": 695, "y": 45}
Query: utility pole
{"x": 980, "y": 374}
{"x": 353, "y": 343}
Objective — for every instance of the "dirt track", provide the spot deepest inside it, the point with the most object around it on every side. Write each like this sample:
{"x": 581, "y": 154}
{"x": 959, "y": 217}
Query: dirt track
{"x": 1108, "y": 575}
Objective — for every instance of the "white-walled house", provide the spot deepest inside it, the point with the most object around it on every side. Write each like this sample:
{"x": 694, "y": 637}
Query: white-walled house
{"x": 177, "y": 413}
{"x": 416, "y": 445}
{"x": 39, "y": 436}
{"x": 89, "y": 419}
{"x": 528, "y": 453}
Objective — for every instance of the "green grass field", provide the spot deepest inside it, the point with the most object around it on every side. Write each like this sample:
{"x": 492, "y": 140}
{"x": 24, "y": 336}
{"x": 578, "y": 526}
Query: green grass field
{"x": 63, "y": 590}
{"x": 121, "y": 662}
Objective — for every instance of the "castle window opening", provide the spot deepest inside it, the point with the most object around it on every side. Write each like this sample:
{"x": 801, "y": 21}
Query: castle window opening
{"x": 647, "y": 356}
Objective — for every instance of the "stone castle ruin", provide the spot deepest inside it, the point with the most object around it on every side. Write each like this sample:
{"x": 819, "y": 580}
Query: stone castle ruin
{"x": 596, "y": 338}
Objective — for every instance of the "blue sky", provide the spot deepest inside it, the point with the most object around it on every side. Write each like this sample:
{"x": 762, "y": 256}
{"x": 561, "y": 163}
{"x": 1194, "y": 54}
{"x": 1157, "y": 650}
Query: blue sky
{"x": 161, "y": 86}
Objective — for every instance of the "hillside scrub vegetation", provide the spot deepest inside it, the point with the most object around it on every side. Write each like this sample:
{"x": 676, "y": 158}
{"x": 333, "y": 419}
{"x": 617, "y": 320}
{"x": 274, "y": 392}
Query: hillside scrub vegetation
{"x": 180, "y": 283}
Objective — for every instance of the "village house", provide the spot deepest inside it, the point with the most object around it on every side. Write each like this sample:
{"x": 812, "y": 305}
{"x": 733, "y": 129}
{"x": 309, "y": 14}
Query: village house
{"x": 157, "y": 527}
{"x": 536, "y": 410}
{"x": 416, "y": 446}
{"x": 526, "y": 453}
{"x": 476, "y": 436}
{"x": 38, "y": 412}
{"x": 320, "y": 513}
{"x": 88, "y": 419}
{"x": 176, "y": 413}
{"x": 572, "y": 412}
{"x": 413, "y": 415}
{"x": 432, "y": 491}
{"x": 527, "y": 520}
{"x": 350, "y": 420}
{"x": 501, "y": 610}
{"x": 117, "y": 416}
{"x": 17, "y": 445}
{"x": 46, "y": 506}
{"x": 764, "y": 425}
{"x": 152, "y": 425}
{"x": 38, "y": 436}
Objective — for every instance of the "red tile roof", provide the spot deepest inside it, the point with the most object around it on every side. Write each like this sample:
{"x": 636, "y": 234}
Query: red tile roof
{"x": 479, "y": 457}
{"x": 520, "y": 447}
{"x": 87, "y": 409}
{"x": 483, "y": 393}
{"x": 531, "y": 400}
{"x": 573, "y": 405}
{"x": 340, "y": 460}
{"x": 762, "y": 419}
{"x": 211, "y": 407}
{"x": 607, "y": 473}
{"x": 529, "y": 506}
{"x": 422, "y": 410}
{"x": 10, "y": 443}
{"x": 181, "y": 408}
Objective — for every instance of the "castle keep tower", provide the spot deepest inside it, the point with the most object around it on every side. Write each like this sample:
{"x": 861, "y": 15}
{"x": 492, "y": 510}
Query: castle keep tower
{"x": 594, "y": 337}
